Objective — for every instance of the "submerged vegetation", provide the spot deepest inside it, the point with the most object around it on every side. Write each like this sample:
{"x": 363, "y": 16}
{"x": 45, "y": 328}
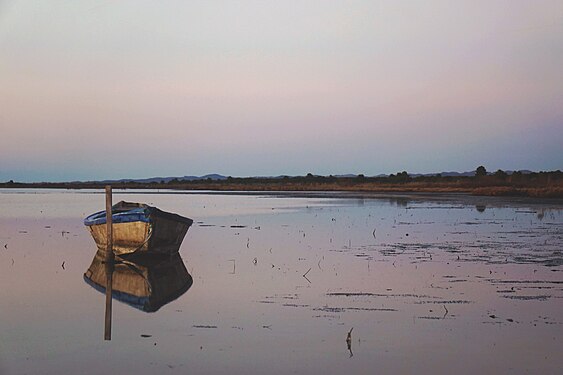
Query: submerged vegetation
{"x": 499, "y": 183}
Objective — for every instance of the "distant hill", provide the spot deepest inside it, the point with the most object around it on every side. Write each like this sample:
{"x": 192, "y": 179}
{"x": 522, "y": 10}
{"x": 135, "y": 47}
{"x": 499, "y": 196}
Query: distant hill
{"x": 444, "y": 174}
{"x": 212, "y": 176}
{"x": 218, "y": 177}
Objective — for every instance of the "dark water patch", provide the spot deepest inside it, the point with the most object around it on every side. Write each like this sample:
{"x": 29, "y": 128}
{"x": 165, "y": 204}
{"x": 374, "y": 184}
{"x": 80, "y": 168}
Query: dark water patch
{"x": 327, "y": 316}
{"x": 238, "y": 226}
{"x": 450, "y": 302}
{"x": 405, "y": 248}
{"x": 289, "y": 296}
{"x": 544, "y": 260}
{"x": 554, "y": 262}
{"x": 206, "y": 225}
{"x": 529, "y": 298}
{"x": 435, "y": 208}
{"x": 499, "y": 281}
{"x": 516, "y": 232}
{"x": 368, "y": 294}
{"x": 370, "y": 309}
{"x": 505, "y": 253}
{"x": 415, "y": 223}
{"x": 390, "y": 252}
{"x": 294, "y": 305}
{"x": 271, "y": 299}
{"x": 344, "y": 309}
{"x": 329, "y": 309}
{"x": 367, "y": 256}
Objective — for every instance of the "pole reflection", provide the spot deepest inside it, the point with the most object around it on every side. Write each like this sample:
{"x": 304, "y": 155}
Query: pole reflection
{"x": 141, "y": 281}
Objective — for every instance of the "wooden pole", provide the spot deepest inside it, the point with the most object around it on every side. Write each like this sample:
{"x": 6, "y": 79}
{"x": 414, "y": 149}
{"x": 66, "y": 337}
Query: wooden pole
{"x": 108, "y": 263}
{"x": 109, "y": 227}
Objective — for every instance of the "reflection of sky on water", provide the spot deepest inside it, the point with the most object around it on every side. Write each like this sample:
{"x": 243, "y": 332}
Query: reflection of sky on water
{"x": 417, "y": 279}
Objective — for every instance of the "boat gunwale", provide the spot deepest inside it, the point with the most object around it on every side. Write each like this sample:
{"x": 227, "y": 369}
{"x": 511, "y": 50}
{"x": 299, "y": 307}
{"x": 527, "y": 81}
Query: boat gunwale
{"x": 126, "y": 212}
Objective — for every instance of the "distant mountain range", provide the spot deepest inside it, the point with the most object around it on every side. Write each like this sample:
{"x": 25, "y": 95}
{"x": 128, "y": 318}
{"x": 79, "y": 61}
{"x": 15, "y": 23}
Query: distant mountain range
{"x": 212, "y": 176}
{"x": 218, "y": 177}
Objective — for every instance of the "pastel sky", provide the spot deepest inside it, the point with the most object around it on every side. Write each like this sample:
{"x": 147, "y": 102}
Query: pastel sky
{"x": 131, "y": 88}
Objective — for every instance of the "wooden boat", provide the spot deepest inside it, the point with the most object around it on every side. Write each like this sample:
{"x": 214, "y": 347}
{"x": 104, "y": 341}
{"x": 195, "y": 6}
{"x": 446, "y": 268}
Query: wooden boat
{"x": 139, "y": 228}
{"x": 145, "y": 283}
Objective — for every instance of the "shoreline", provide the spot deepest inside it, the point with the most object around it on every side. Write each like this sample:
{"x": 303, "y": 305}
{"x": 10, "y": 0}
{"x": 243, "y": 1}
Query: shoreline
{"x": 544, "y": 192}
{"x": 498, "y": 184}
{"x": 394, "y": 195}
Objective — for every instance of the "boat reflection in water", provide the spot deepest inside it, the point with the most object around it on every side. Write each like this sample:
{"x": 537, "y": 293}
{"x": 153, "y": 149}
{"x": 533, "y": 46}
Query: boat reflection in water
{"x": 144, "y": 282}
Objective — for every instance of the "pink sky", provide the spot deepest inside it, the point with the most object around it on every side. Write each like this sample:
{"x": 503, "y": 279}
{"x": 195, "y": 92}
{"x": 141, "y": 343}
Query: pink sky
{"x": 94, "y": 90}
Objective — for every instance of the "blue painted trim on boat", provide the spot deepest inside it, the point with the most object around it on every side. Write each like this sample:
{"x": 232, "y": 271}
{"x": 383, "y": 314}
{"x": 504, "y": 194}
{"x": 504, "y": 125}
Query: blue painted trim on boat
{"x": 129, "y": 216}
{"x": 140, "y": 303}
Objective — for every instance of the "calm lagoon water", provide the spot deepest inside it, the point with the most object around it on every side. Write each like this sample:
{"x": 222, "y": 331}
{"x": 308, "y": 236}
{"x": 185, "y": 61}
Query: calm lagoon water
{"x": 427, "y": 284}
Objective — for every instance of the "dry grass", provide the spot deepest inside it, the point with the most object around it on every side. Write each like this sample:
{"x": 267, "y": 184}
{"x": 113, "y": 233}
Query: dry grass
{"x": 539, "y": 192}
{"x": 546, "y": 185}
{"x": 412, "y": 187}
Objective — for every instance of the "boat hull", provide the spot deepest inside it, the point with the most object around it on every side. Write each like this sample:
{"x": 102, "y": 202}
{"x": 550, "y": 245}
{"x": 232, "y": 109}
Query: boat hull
{"x": 148, "y": 231}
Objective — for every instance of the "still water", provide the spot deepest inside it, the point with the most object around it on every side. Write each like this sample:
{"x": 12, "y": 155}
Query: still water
{"x": 284, "y": 284}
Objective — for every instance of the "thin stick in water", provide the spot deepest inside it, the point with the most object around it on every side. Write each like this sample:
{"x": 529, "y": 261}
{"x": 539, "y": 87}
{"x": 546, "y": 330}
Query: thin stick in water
{"x": 108, "y": 263}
